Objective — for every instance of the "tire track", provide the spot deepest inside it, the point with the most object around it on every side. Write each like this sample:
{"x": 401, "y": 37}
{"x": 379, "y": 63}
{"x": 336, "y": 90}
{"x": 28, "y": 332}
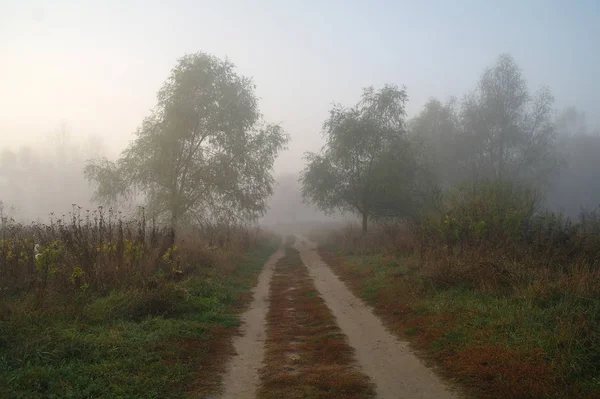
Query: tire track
{"x": 241, "y": 378}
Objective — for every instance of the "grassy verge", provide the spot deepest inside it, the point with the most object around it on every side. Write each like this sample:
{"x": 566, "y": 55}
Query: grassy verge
{"x": 166, "y": 340}
{"x": 307, "y": 355}
{"x": 526, "y": 343}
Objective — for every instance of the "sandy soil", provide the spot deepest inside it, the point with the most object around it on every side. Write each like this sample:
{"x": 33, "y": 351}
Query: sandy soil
{"x": 389, "y": 362}
{"x": 241, "y": 379}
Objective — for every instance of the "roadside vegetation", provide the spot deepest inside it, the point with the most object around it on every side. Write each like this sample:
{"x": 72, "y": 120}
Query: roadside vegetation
{"x": 106, "y": 309}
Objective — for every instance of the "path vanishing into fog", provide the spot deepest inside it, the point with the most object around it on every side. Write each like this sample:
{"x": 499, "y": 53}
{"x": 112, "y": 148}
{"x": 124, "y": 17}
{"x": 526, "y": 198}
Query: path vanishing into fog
{"x": 387, "y": 361}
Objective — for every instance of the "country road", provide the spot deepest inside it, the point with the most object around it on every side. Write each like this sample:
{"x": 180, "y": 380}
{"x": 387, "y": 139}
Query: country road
{"x": 377, "y": 364}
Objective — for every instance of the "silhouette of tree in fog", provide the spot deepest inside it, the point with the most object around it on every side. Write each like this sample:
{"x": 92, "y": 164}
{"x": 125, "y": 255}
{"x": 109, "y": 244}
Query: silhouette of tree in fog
{"x": 499, "y": 131}
{"x": 368, "y": 165}
{"x": 204, "y": 151}
{"x": 438, "y": 126}
{"x": 577, "y": 186}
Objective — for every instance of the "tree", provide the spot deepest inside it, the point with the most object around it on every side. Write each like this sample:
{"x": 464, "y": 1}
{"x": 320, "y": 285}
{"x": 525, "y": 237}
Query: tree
{"x": 570, "y": 122}
{"x": 499, "y": 131}
{"x": 437, "y": 125}
{"x": 506, "y": 132}
{"x": 367, "y": 166}
{"x": 576, "y": 188}
{"x": 203, "y": 152}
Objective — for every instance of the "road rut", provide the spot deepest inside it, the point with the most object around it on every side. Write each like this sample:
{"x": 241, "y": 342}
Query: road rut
{"x": 241, "y": 379}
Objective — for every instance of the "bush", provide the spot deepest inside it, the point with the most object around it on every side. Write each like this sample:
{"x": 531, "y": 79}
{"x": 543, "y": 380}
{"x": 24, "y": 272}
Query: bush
{"x": 495, "y": 212}
{"x": 503, "y": 216}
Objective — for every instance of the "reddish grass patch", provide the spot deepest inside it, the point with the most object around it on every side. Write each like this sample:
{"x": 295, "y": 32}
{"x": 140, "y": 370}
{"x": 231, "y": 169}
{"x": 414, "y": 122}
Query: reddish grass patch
{"x": 307, "y": 355}
{"x": 499, "y": 370}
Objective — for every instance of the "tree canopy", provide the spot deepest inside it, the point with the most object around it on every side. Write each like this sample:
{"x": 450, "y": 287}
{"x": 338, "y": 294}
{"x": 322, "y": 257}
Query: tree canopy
{"x": 203, "y": 152}
{"x": 367, "y": 166}
{"x": 437, "y": 126}
{"x": 500, "y": 130}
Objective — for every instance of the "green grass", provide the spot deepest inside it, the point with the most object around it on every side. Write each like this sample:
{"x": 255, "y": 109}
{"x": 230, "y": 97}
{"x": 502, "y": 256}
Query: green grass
{"x": 129, "y": 344}
{"x": 411, "y": 331}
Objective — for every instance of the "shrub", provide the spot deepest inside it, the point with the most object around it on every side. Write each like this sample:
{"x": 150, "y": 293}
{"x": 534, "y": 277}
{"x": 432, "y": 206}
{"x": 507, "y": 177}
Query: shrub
{"x": 489, "y": 212}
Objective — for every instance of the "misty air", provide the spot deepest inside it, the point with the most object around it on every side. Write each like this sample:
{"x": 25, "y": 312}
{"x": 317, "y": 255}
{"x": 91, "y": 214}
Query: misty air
{"x": 299, "y": 200}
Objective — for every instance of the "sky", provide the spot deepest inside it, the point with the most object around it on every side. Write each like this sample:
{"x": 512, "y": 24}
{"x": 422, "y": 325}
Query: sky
{"x": 96, "y": 66}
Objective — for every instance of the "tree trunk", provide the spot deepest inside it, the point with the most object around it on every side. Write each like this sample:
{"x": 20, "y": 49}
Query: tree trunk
{"x": 365, "y": 217}
{"x": 174, "y": 220}
{"x": 501, "y": 150}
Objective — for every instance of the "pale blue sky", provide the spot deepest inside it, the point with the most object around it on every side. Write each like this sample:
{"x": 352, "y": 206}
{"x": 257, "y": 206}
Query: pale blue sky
{"x": 98, "y": 65}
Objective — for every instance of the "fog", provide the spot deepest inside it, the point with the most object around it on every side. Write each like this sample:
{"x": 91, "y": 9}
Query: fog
{"x": 78, "y": 79}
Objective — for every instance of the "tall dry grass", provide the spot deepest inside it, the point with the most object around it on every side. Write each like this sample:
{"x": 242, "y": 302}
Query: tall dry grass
{"x": 94, "y": 252}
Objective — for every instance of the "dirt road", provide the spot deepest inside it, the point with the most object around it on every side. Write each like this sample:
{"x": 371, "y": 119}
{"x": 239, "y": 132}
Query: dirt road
{"x": 395, "y": 371}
